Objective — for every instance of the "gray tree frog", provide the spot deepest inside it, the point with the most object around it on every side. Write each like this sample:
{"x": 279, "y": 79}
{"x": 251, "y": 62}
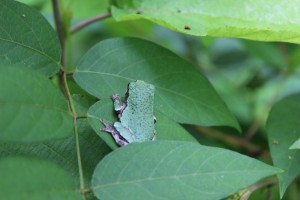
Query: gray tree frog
{"x": 135, "y": 114}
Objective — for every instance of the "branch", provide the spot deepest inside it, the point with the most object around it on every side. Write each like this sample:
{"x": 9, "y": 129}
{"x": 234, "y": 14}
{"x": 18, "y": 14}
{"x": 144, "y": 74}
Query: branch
{"x": 58, "y": 22}
{"x": 257, "y": 123}
{"x": 83, "y": 24}
{"x": 252, "y": 188}
{"x": 76, "y": 134}
{"x": 235, "y": 142}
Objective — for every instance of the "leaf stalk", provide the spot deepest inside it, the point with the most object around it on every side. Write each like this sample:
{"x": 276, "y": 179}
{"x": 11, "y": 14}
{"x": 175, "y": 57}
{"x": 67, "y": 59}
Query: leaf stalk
{"x": 74, "y": 114}
{"x": 87, "y": 22}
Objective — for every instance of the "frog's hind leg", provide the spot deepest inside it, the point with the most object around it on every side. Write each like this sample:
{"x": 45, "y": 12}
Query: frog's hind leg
{"x": 115, "y": 134}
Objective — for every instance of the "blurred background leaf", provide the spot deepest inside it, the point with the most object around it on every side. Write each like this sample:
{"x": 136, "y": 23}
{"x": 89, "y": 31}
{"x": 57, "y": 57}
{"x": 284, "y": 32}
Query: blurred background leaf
{"x": 283, "y": 130}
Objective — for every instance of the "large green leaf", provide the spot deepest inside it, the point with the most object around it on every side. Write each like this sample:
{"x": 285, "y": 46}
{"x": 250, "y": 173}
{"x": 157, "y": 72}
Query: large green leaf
{"x": 28, "y": 178}
{"x": 166, "y": 129}
{"x": 175, "y": 170}
{"x": 27, "y": 39}
{"x": 283, "y": 130}
{"x": 271, "y": 20}
{"x": 182, "y": 93}
{"x": 31, "y": 107}
{"x": 63, "y": 151}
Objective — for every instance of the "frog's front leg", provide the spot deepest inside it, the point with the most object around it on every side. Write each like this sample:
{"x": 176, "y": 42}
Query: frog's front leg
{"x": 114, "y": 132}
{"x": 118, "y": 104}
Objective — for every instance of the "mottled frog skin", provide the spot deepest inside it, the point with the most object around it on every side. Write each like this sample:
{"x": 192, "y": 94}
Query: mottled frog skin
{"x": 135, "y": 114}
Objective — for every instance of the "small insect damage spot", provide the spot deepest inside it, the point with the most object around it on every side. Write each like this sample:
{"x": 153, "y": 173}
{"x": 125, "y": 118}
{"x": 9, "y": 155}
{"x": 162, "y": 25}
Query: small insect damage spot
{"x": 187, "y": 27}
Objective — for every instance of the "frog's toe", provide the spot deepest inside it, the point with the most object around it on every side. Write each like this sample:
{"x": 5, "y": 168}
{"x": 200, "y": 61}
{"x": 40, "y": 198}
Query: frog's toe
{"x": 107, "y": 127}
{"x": 114, "y": 132}
{"x": 115, "y": 97}
{"x": 103, "y": 122}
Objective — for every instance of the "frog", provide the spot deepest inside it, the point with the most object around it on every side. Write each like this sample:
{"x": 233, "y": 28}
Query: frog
{"x": 136, "y": 120}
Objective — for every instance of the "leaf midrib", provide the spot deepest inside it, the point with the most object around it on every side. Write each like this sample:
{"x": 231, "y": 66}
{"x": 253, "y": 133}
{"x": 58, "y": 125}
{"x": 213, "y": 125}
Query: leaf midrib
{"x": 36, "y": 50}
{"x": 181, "y": 176}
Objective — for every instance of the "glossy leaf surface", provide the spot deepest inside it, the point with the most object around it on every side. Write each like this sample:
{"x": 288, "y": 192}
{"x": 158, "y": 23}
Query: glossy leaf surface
{"x": 182, "y": 93}
{"x": 272, "y": 20}
{"x": 175, "y": 170}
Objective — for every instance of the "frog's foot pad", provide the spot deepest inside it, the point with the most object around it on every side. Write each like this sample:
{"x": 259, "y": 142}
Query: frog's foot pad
{"x": 114, "y": 132}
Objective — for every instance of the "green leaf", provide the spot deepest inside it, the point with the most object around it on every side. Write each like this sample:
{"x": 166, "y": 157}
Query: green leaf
{"x": 268, "y": 52}
{"x": 169, "y": 130}
{"x": 63, "y": 151}
{"x": 31, "y": 107}
{"x": 283, "y": 130}
{"x": 166, "y": 129}
{"x": 296, "y": 145}
{"x": 28, "y": 178}
{"x": 182, "y": 93}
{"x": 175, "y": 170}
{"x": 102, "y": 109}
{"x": 80, "y": 9}
{"x": 92, "y": 149}
{"x": 274, "y": 20}
{"x": 27, "y": 39}
{"x": 82, "y": 103}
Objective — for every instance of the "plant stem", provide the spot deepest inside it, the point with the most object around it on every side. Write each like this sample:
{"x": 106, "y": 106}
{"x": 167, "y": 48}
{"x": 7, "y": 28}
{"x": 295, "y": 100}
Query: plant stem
{"x": 257, "y": 123}
{"x": 83, "y": 24}
{"x": 252, "y": 149}
{"x": 74, "y": 114}
{"x": 252, "y": 188}
{"x": 59, "y": 26}
{"x": 58, "y": 21}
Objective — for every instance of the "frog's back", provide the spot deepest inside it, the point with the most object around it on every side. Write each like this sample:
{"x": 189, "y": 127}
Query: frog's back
{"x": 139, "y": 113}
